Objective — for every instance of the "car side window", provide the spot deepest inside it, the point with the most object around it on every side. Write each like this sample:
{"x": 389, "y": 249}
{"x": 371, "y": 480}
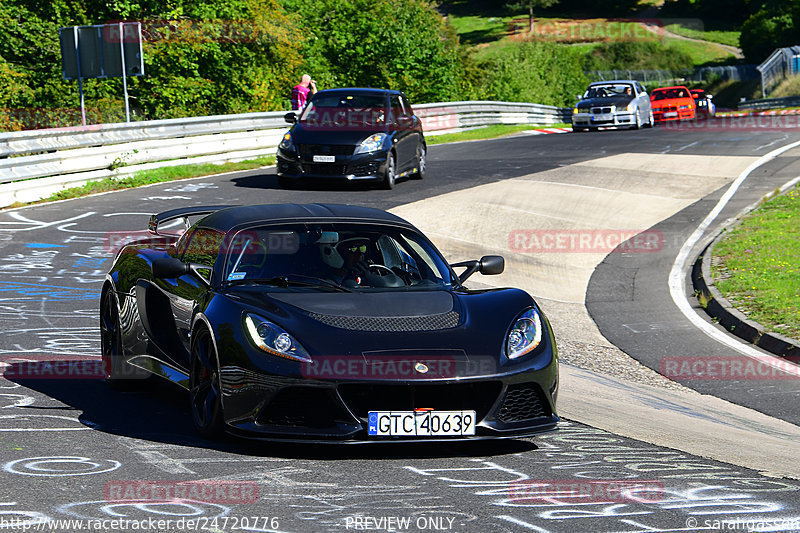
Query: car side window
{"x": 397, "y": 107}
{"x": 203, "y": 247}
{"x": 406, "y": 105}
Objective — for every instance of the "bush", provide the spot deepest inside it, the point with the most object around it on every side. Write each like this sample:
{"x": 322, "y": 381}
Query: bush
{"x": 393, "y": 44}
{"x": 636, "y": 55}
{"x": 534, "y": 71}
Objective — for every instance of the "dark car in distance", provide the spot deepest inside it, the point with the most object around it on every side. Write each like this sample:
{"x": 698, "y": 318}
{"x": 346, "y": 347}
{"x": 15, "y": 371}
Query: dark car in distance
{"x": 324, "y": 322}
{"x": 354, "y": 135}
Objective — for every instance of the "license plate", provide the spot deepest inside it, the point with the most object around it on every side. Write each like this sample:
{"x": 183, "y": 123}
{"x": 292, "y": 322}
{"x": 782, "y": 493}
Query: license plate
{"x": 324, "y": 159}
{"x": 603, "y": 118}
{"x": 671, "y": 114}
{"x": 421, "y": 423}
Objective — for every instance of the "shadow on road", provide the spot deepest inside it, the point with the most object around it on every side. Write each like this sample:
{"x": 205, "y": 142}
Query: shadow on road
{"x": 159, "y": 412}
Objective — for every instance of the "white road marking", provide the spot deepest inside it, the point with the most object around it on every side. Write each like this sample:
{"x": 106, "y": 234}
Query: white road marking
{"x": 676, "y": 277}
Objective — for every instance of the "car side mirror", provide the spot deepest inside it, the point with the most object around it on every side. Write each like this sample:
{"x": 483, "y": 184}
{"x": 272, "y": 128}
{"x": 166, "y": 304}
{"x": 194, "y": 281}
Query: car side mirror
{"x": 488, "y": 265}
{"x": 405, "y": 121}
{"x": 169, "y": 267}
{"x": 492, "y": 265}
{"x": 291, "y": 118}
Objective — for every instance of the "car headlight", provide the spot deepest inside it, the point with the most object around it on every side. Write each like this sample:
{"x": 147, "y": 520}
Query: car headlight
{"x": 631, "y": 107}
{"x": 286, "y": 142}
{"x": 273, "y": 339}
{"x": 372, "y": 143}
{"x": 576, "y": 111}
{"x": 525, "y": 335}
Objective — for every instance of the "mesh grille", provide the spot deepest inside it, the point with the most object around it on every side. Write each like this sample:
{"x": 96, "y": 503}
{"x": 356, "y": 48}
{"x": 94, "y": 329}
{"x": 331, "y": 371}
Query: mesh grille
{"x": 324, "y": 169}
{"x": 362, "y": 398}
{"x": 390, "y": 323}
{"x": 325, "y": 149}
{"x": 523, "y": 402}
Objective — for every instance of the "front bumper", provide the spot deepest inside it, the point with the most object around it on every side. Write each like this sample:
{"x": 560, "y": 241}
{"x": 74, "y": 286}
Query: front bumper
{"x": 309, "y": 411}
{"x": 331, "y": 404}
{"x": 604, "y": 120}
{"x": 369, "y": 166}
{"x": 666, "y": 115}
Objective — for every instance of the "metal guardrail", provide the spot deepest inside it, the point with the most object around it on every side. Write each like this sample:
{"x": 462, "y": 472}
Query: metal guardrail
{"x": 34, "y": 164}
{"x": 666, "y": 77}
{"x": 771, "y": 103}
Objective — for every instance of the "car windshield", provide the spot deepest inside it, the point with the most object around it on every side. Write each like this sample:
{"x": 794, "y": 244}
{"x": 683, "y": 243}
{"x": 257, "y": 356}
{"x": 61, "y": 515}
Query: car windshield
{"x": 345, "y": 110}
{"x": 608, "y": 90}
{"x": 334, "y": 257}
{"x": 667, "y": 94}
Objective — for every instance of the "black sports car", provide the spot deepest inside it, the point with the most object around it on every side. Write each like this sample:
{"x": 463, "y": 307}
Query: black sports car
{"x": 353, "y": 134}
{"x": 326, "y": 323}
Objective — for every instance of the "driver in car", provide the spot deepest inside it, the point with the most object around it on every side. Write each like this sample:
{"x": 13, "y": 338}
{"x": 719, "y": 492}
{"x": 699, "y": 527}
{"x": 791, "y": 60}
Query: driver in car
{"x": 355, "y": 266}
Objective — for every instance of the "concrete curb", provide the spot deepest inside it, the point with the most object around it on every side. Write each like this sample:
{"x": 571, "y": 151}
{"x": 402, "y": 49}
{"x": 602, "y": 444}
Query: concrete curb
{"x": 733, "y": 320}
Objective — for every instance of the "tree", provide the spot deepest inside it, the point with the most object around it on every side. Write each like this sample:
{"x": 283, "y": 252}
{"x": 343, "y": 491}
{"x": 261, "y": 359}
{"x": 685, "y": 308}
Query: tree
{"x": 774, "y": 25}
{"x": 518, "y": 5}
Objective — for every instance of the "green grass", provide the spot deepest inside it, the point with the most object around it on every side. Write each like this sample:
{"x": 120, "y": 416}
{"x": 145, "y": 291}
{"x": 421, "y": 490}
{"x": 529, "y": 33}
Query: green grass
{"x": 757, "y": 265}
{"x": 701, "y": 53}
{"x": 159, "y": 175}
{"x": 731, "y": 38}
{"x": 489, "y": 36}
{"x": 788, "y": 87}
{"x": 487, "y": 132}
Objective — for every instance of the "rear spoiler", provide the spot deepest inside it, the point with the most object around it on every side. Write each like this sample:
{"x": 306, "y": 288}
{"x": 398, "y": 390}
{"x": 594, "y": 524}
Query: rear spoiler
{"x": 182, "y": 212}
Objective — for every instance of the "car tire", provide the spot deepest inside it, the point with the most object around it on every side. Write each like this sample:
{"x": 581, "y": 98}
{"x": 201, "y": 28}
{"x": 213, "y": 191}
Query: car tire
{"x": 578, "y": 130}
{"x": 422, "y": 155}
{"x": 390, "y": 174}
{"x": 638, "y": 124}
{"x": 650, "y": 120}
{"x": 204, "y": 386}
{"x": 111, "y": 347}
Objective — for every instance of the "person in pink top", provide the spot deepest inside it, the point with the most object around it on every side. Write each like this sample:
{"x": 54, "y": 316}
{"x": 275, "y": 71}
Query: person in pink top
{"x": 300, "y": 92}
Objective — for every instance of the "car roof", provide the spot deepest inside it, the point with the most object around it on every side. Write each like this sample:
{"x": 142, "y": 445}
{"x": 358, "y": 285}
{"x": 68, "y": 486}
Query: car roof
{"x": 253, "y": 215}
{"x": 358, "y": 90}
{"x": 610, "y": 82}
{"x": 672, "y": 87}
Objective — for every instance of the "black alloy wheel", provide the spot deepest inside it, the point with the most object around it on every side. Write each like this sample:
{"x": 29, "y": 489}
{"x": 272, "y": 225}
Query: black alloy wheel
{"x": 204, "y": 386}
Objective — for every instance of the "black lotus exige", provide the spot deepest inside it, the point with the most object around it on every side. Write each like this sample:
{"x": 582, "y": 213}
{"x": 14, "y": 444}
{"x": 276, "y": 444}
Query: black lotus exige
{"x": 354, "y": 135}
{"x": 326, "y": 323}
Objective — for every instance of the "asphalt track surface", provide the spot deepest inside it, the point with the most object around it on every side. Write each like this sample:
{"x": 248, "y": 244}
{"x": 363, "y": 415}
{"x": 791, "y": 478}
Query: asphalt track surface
{"x": 69, "y": 444}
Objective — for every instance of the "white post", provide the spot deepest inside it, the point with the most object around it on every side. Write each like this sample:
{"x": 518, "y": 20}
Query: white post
{"x": 124, "y": 77}
{"x": 80, "y": 79}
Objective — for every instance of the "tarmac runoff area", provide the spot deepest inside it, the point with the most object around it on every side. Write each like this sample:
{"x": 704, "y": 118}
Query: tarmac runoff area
{"x": 554, "y": 228}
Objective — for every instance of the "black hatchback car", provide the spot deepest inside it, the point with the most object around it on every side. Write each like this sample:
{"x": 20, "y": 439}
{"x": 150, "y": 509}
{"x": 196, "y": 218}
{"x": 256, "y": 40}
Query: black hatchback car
{"x": 353, "y": 134}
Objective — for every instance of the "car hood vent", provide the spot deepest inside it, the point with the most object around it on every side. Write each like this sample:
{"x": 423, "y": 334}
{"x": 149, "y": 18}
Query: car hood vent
{"x": 388, "y": 304}
{"x": 390, "y": 323}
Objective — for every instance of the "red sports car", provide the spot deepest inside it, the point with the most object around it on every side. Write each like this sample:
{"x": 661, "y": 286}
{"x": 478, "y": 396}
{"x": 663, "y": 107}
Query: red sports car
{"x": 672, "y": 103}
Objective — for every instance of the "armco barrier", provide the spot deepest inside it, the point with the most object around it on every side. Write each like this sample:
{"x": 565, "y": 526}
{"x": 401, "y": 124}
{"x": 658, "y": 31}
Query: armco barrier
{"x": 35, "y": 164}
{"x": 771, "y": 103}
